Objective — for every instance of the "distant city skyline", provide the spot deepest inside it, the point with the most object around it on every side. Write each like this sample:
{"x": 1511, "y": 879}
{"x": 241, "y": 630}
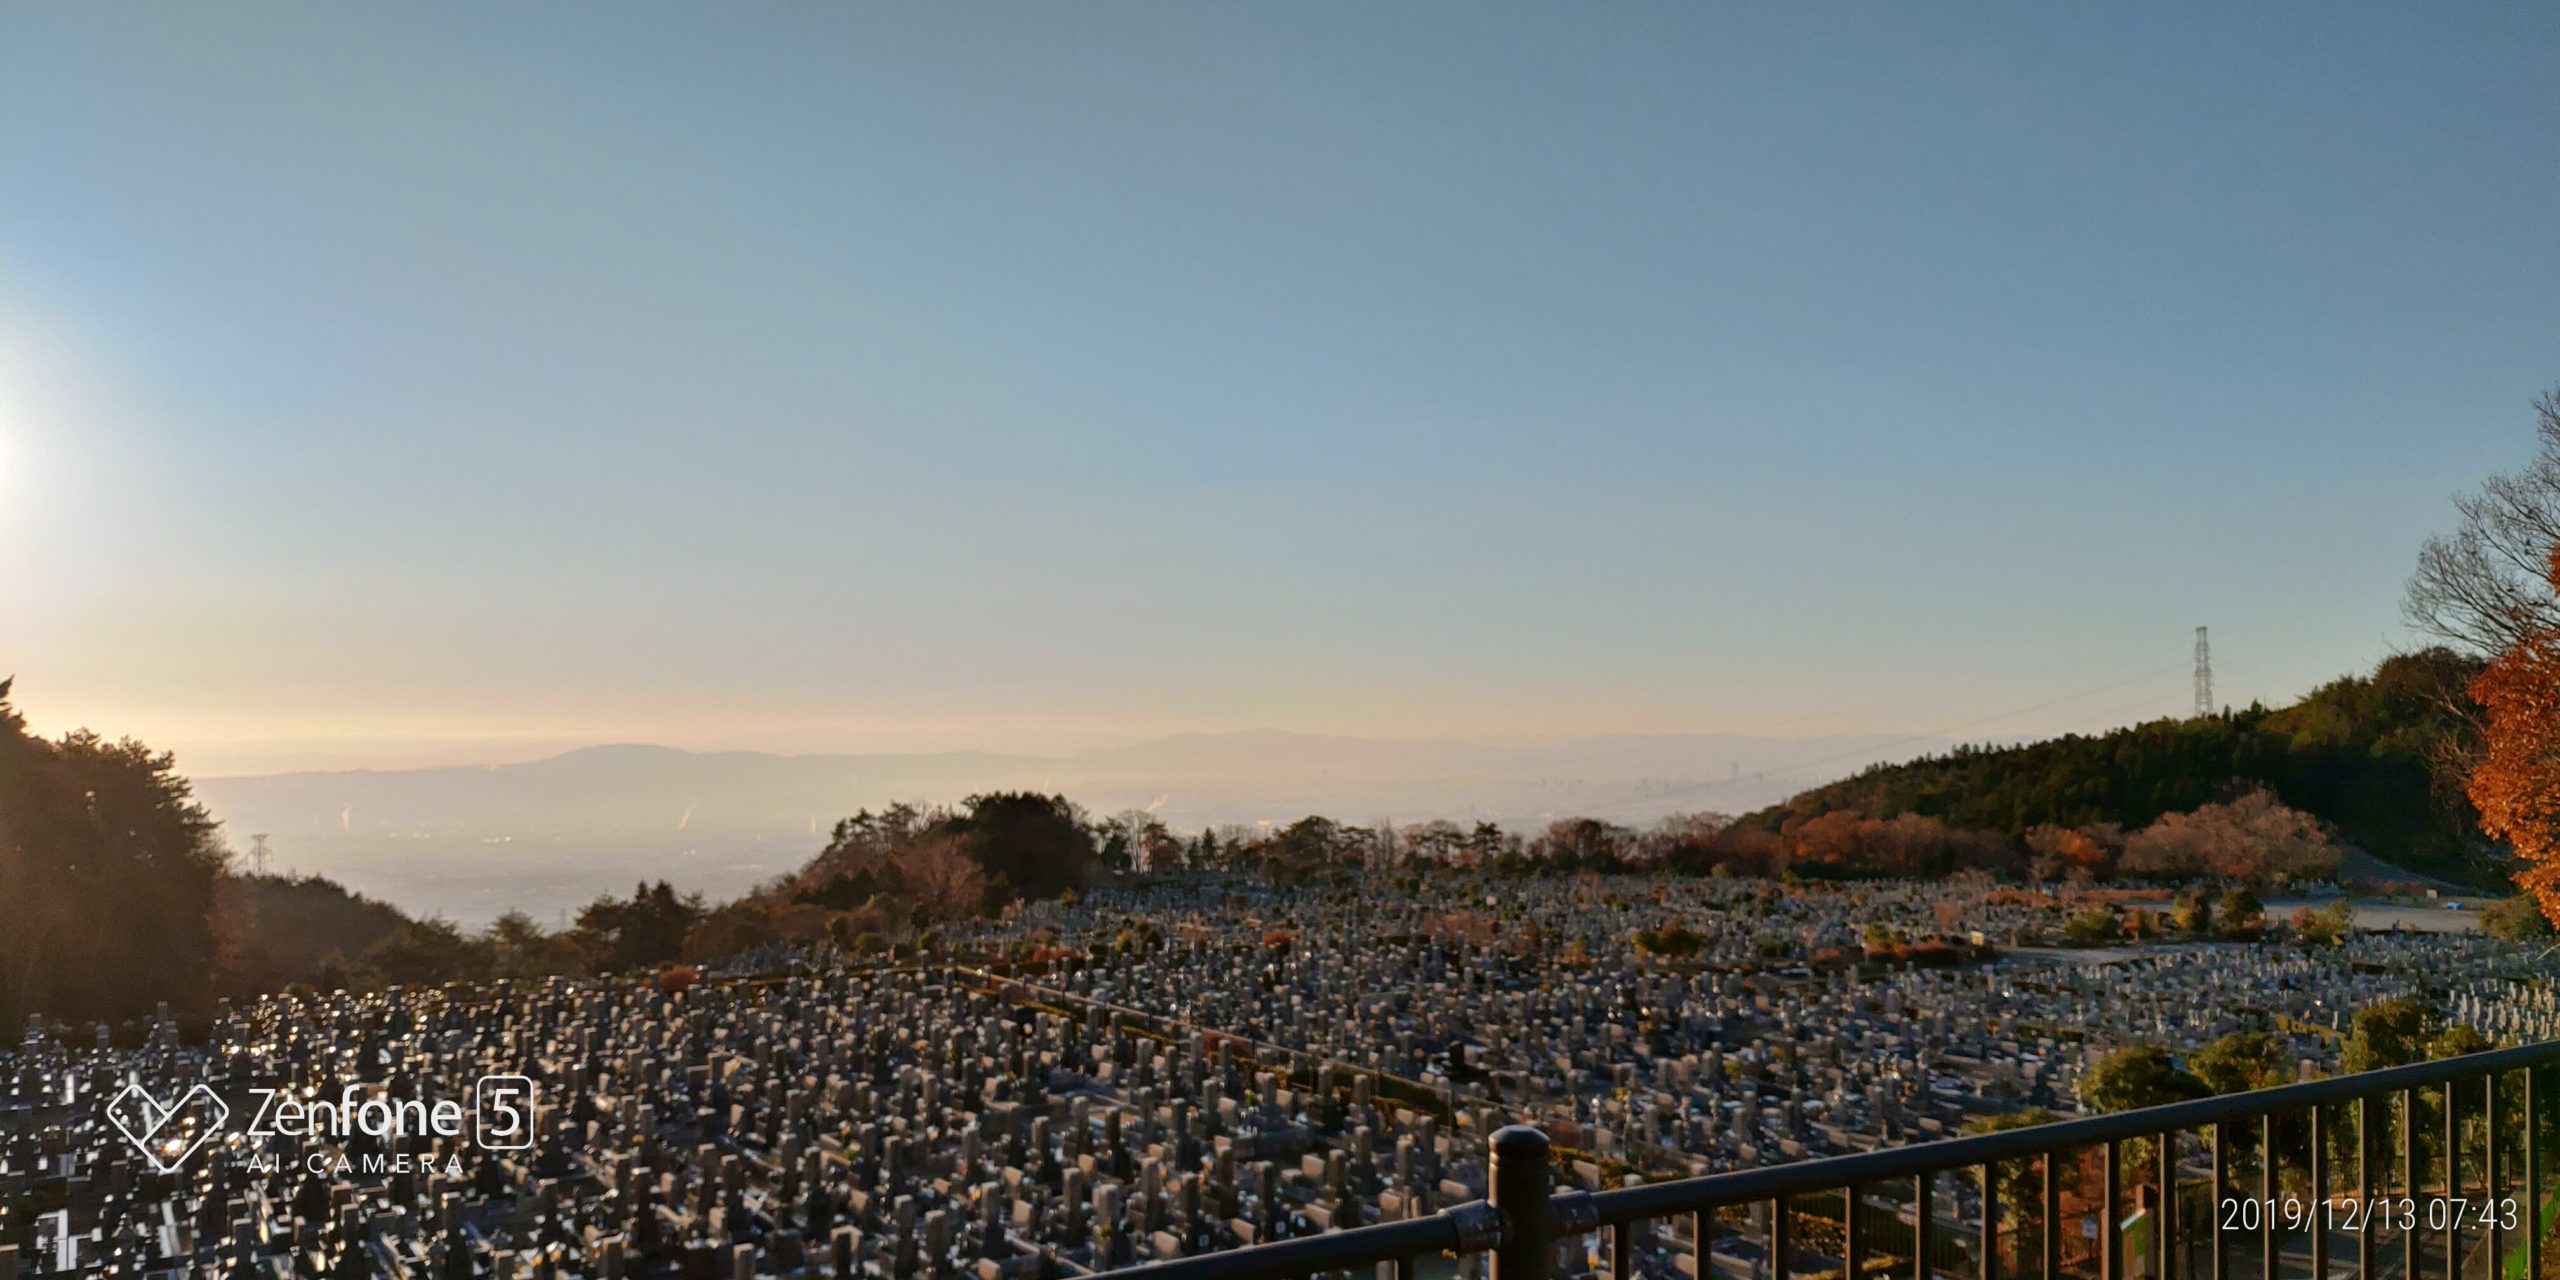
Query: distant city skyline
{"x": 463, "y": 385}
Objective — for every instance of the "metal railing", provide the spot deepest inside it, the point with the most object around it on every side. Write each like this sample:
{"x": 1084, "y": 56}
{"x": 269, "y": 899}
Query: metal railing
{"x": 2436, "y": 1170}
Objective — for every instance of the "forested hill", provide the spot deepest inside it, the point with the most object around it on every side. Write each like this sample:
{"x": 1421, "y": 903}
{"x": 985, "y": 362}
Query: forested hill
{"x": 2364, "y": 752}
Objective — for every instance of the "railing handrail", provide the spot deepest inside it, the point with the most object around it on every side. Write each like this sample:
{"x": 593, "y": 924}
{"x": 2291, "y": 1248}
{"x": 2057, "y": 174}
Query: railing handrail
{"x": 1742, "y": 1186}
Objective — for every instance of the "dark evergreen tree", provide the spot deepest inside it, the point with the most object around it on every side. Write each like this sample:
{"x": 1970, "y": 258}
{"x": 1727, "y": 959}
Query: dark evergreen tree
{"x": 108, "y": 870}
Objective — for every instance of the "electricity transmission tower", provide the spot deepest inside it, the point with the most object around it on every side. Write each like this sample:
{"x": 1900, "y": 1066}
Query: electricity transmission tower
{"x": 258, "y": 853}
{"x": 2204, "y": 675}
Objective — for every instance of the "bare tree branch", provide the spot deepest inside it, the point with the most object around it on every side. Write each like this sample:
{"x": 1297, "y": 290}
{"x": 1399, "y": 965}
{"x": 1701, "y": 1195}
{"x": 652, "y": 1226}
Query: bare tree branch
{"x": 2483, "y": 588}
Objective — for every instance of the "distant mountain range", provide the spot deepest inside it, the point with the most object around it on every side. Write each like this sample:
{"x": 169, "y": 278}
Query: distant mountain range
{"x": 548, "y": 835}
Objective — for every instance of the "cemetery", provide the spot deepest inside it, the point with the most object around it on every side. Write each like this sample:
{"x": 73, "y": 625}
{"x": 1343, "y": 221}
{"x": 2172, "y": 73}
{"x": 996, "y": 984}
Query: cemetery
{"x": 1156, "y": 1071}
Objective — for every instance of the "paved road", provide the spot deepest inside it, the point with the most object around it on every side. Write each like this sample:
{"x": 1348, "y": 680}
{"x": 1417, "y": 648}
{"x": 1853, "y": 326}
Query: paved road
{"x": 2377, "y": 916}
{"x": 2429, "y": 918}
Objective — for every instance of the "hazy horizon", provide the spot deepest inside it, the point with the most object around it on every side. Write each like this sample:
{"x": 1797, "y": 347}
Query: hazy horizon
{"x": 382, "y": 387}
{"x": 2164, "y": 691}
{"x": 548, "y": 835}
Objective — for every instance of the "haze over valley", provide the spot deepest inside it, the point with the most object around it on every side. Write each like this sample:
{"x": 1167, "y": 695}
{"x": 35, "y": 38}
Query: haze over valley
{"x": 550, "y": 835}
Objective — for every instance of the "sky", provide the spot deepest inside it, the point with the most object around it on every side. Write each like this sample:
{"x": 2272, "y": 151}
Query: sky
{"x": 386, "y": 386}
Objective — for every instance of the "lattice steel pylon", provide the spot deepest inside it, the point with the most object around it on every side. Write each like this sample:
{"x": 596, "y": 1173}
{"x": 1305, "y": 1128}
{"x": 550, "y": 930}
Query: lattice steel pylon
{"x": 2204, "y": 675}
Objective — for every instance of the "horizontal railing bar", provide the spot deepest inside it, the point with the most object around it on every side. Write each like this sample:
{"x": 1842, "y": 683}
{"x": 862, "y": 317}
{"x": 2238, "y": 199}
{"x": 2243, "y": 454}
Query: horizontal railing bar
{"x": 1741, "y": 1186}
{"x": 1290, "y": 1259}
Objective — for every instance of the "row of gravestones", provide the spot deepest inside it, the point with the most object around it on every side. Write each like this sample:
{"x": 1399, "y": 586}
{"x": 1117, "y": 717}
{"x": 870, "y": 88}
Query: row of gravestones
{"x": 1362, "y": 985}
{"x": 915, "y": 1128}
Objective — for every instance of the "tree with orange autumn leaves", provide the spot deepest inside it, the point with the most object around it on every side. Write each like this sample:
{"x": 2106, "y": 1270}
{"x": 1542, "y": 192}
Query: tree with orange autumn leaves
{"x": 2516, "y": 782}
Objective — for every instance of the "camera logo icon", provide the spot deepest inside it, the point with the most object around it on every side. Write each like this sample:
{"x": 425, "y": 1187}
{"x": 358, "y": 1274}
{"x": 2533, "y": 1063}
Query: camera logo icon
{"x": 167, "y": 1133}
{"x": 502, "y": 1112}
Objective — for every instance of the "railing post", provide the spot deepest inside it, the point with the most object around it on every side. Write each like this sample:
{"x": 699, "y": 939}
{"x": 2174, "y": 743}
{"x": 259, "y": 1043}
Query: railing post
{"x": 2409, "y": 1180}
{"x": 2221, "y": 1186}
{"x": 2368, "y": 1141}
{"x": 2110, "y": 1235}
{"x": 2168, "y": 1248}
{"x": 2270, "y": 1253}
{"x": 2532, "y": 1216}
{"x": 1854, "y": 1239}
{"x": 1520, "y": 1183}
{"x": 2319, "y": 1206}
{"x": 1990, "y": 1222}
{"x": 2052, "y": 1216}
{"x": 2489, "y": 1180}
{"x": 2452, "y": 1181}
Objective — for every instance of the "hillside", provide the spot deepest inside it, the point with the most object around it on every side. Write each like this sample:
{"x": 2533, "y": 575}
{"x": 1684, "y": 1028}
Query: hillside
{"x": 281, "y": 929}
{"x": 2361, "y": 752}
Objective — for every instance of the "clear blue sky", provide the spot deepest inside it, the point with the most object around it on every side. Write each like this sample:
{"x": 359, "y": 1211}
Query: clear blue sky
{"x": 451, "y": 382}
